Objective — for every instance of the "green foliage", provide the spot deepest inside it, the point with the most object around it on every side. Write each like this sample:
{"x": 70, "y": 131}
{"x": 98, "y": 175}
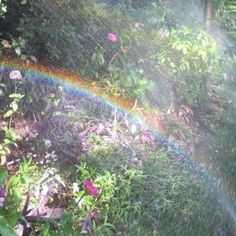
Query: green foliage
{"x": 192, "y": 58}
{"x": 128, "y": 82}
{"x": 85, "y": 49}
{"x": 3, "y": 175}
{"x": 115, "y": 202}
{"x": 3, "y": 8}
{"x": 18, "y": 44}
{"x": 14, "y": 104}
{"x": 226, "y": 14}
{"x": 65, "y": 45}
{"x": 10, "y": 137}
{"x": 6, "y": 222}
{"x": 5, "y": 228}
{"x": 17, "y": 185}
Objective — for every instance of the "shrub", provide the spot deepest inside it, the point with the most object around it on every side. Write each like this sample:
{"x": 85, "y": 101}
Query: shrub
{"x": 191, "y": 58}
{"x": 79, "y": 41}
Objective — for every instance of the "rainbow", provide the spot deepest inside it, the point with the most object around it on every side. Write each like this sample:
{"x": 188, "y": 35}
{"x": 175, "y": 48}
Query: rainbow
{"x": 73, "y": 81}
{"x": 66, "y": 78}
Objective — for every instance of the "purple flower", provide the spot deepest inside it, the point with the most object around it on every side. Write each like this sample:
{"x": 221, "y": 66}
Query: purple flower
{"x": 112, "y": 37}
{"x": 90, "y": 189}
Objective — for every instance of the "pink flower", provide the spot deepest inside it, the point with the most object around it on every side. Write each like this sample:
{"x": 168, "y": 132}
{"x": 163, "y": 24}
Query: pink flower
{"x": 15, "y": 75}
{"x": 165, "y": 2}
{"x": 112, "y": 37}
{"x": 90, "y": 189}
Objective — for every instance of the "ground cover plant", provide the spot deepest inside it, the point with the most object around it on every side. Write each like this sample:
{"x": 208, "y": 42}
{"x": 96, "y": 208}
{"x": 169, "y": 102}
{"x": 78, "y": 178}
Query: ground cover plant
{"x": 73, "y": 165}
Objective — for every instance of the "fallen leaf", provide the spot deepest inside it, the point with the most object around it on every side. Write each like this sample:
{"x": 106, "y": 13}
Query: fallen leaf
{"x": 5, "y": 44}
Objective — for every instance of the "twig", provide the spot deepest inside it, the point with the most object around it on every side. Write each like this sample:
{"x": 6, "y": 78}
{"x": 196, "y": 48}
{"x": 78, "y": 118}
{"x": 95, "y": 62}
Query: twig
{"x": 114, "y": 56}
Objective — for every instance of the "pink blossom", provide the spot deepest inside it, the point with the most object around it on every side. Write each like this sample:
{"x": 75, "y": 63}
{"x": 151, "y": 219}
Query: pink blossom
{"x": 15, "y": 75}
{"x": 112, "y": 37}
{"x": 165, "y": 2}
{"x": 90, "y": 188}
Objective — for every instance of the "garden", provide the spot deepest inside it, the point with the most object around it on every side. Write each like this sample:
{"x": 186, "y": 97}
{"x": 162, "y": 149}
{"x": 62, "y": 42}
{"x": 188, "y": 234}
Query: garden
{"x": 117, "y": 117}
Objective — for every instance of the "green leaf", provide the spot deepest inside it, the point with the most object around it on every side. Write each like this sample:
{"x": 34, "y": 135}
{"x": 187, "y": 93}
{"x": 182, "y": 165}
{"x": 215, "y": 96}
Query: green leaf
{"x": 23, "y": 57}
{"x": 5, "y": 228}
{"x": 7, "y": 141}
{"x": 18, "y": 51}
{"x": 14, "y": 106}
{"x": 8, "y": 113}
{"x": 100, "y": 59}
{"x": 17, "y": 96}
{"x": 23, "y": 2}
{"x": 3, "y": 175}
{"x": 34, "y": 59}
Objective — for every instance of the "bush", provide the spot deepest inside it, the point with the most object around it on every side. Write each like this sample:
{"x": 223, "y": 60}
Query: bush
{"x": 191, "y": 60}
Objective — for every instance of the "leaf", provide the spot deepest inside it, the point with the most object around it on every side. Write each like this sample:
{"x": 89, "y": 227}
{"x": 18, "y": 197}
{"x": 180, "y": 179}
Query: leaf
{"x": 23, "y": 57}
{"x": 17, "y": 96}
{"x": 100, "y": 59}
{"x": 8, "y": 113}
{"x": 23, "y": 2}
{"x": 45, "y": 229}
{"x": 34, "y": 59}
{"x": 3, "y": 175}
{"x": 14, "y": 106}
{"x": 5, "y": 44}
{"x": 18, "y": 51}
{"x": 5, "y": 228}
